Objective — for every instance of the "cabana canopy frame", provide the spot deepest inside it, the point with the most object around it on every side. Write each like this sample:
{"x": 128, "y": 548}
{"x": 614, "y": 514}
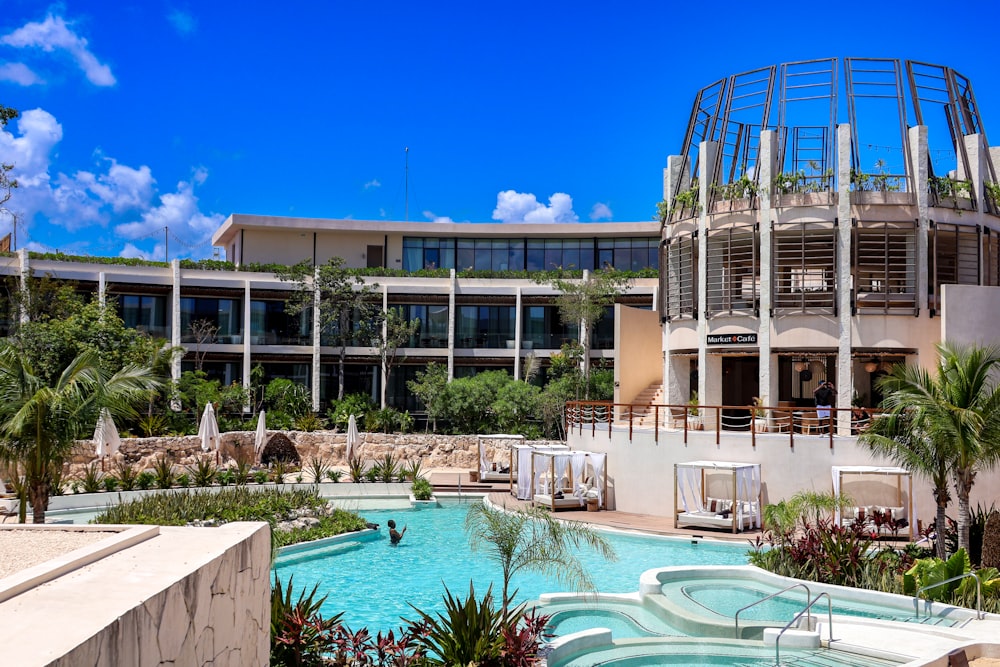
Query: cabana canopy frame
{"x": 487, "y": 469}
{"x": 839, "y": 472}
{"x": 520, "y": 467}
{"x": 744, "y": 507}
{"x": 572, "y": 466}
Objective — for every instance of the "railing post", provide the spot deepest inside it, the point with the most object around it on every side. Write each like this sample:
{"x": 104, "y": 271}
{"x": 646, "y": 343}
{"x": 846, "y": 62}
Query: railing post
{"x": 656, "y": 424}
{"x": 718, "y": 425}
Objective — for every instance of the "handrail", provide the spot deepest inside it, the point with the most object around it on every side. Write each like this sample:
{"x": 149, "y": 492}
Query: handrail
{"x": 772, "y": 595}
{"x": 792, "y": 421}
{"x": 979, "y": 593}
{"x": 829, "y": 611}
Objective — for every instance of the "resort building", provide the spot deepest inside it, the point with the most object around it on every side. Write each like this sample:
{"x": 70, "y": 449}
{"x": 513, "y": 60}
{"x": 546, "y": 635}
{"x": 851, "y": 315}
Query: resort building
{"x": 470, "y": 285}
{"x": 823, "y": 220}
{"x": 818, "y": 211}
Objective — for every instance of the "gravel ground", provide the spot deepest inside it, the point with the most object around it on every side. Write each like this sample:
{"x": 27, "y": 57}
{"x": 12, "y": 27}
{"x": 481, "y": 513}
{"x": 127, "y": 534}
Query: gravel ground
{"x": 21, "y": 549}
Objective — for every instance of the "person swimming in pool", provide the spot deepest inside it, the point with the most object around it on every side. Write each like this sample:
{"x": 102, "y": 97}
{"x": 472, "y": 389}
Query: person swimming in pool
{"x": 394, "y": 535}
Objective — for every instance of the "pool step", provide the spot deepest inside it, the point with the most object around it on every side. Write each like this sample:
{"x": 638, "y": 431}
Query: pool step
{"x": 927, "y": 620}
{"x": 828, "y": 658}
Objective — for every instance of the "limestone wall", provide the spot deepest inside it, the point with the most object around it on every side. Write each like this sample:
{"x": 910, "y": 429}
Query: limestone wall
{"x": 189, "y": 596}
{"x": 432, "y": 450}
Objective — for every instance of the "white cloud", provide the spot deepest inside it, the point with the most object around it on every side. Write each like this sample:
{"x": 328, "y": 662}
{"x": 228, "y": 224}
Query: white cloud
{"x": 20, "y": 74}
{"x": 524, "y": 207}
{"x": 133, "y": 251}
{"x": 54, "y": 35}
{"x": 184, "y": 22}
{"x": 178, "y": 212}
{"x": 100, "y": 196}
{"x": 430, "y": 215}
{"x": 372, "y": 184}
{"x": 600, "y": 212}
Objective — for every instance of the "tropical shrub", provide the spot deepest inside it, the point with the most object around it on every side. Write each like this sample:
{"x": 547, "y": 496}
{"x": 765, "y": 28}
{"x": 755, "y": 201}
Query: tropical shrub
{"x": 352, "y": 404}
{"x": 422, "y": 489}
{"x": 109, "y": 482}
{"x": 126, "y": 474}
{"x": 240, "y": 503}
{"x": 308, "y": 422}
{"x": 356, "y": 469}
{"x": 280, "y": 448}
{"x": 476, "y": 632}
{"x": 144, "y": 480}
{"x": 334, "y": 475}
{"x": 317, "y": 468}
{"x": 91, "y": 478}
{"x": 299, "y": 633}
{"x": 163, "y": 470}
{"x": 202, "y": 472}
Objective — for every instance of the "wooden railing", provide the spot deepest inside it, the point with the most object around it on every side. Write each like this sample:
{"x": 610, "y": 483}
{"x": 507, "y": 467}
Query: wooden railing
{"x": 598, "y": 417}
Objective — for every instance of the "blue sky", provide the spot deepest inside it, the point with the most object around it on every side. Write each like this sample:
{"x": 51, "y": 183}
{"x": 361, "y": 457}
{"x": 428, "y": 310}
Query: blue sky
{"x": 146, "y": 114}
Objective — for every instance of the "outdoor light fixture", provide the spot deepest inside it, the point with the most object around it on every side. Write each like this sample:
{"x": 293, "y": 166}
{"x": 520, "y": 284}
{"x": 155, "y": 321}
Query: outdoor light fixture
{"x": 871, "y": 366}
{"x": 801, "y": 366}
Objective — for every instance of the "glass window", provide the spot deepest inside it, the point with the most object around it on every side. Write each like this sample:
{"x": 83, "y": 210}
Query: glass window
{"x": 433, "y": 330}
{"x": 271, "y": 325}
{"x": 485, "y": 327}
{"x": 144, "y": 313}
{"x": 223, "y": 314}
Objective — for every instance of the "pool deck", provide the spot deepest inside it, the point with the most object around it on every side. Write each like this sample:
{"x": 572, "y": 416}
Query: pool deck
{"x": 646, "y": 523}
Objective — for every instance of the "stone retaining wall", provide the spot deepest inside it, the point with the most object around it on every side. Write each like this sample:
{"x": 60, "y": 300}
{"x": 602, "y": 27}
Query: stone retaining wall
{"x": 432, "y": 450}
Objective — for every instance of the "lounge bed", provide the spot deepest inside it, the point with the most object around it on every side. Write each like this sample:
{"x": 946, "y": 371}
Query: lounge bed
{"x": 693, "y": 481}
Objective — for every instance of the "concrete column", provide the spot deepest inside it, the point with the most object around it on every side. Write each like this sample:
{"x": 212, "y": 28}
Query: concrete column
{"x": 102, "y": 288}
{"x": 246, "y": 342}
{"x": 25, "y": 268}
{"x": 517, "y": 333}
{"x": 845, "y": 380}
{"x": 385, "y": 333}
{"x": 918, "y": 169}
{"x": 676, "y": 383}
{"x": 994, "y": 153}
{"x": 975, "y": 148}
{"x": 175, "y": 328}
{"x": 707, "y": 151}
{"x": 676, "y": 176}
{"x": 582, "y": 328}
{"x": 767, "y": 385}
{"x": 452, "y": 286}
{"x": 317, "y": 365}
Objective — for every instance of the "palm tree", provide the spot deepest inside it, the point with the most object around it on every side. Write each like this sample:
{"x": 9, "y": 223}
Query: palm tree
{"x": 40, "y": 421}
{"x": 945, "y": 424}
{"x": 533, "y": 540}
{"x": 893, "y": 436}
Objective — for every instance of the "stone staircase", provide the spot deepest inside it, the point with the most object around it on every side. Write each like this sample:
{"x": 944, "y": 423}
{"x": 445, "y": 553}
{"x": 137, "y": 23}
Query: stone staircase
{"x": 644, "y": 414}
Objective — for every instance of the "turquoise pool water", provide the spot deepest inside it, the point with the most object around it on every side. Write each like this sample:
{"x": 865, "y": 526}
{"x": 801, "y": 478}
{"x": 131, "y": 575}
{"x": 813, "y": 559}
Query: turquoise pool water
{"x": 374, "y": 584}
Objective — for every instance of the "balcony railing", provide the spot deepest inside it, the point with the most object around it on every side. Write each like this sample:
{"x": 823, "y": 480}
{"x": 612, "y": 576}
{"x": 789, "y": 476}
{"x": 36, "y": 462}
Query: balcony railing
{"x": 784, "y": 421}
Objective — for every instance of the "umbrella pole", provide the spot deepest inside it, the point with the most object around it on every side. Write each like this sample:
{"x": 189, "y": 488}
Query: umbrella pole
{"x": 102, "y": 463}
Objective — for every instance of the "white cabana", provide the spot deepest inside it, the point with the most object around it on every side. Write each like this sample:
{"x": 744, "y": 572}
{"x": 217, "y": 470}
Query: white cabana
{"x": 560, "y": 478}
{"x": 875, "y": 489}
{"x": 208, "y": 430}
{"x": 520, "y": 466}
{"x": 496, "y": 471}
{"x": 717, "y": 494}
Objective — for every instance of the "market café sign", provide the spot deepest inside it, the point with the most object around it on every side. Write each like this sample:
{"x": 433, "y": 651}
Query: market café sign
{"x": 732, "y": 339}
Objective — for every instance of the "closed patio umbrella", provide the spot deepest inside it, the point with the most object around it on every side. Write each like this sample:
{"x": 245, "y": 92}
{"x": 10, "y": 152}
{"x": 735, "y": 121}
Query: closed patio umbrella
{"x": 208, "y": 431}
{"x": 352, "y": 437}
{"x": 260, "y": 439}
{"x": 106, "y": 439}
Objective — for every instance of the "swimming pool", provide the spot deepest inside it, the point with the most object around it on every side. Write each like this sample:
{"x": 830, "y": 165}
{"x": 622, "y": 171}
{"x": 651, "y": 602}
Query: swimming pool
{"x": 374, "y": 584}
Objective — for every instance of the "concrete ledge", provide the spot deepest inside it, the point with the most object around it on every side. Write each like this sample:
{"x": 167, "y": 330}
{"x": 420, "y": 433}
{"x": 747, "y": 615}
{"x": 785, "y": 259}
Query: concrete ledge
{"x": 123, "y": 538}
{"x": 791, "y": 638}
